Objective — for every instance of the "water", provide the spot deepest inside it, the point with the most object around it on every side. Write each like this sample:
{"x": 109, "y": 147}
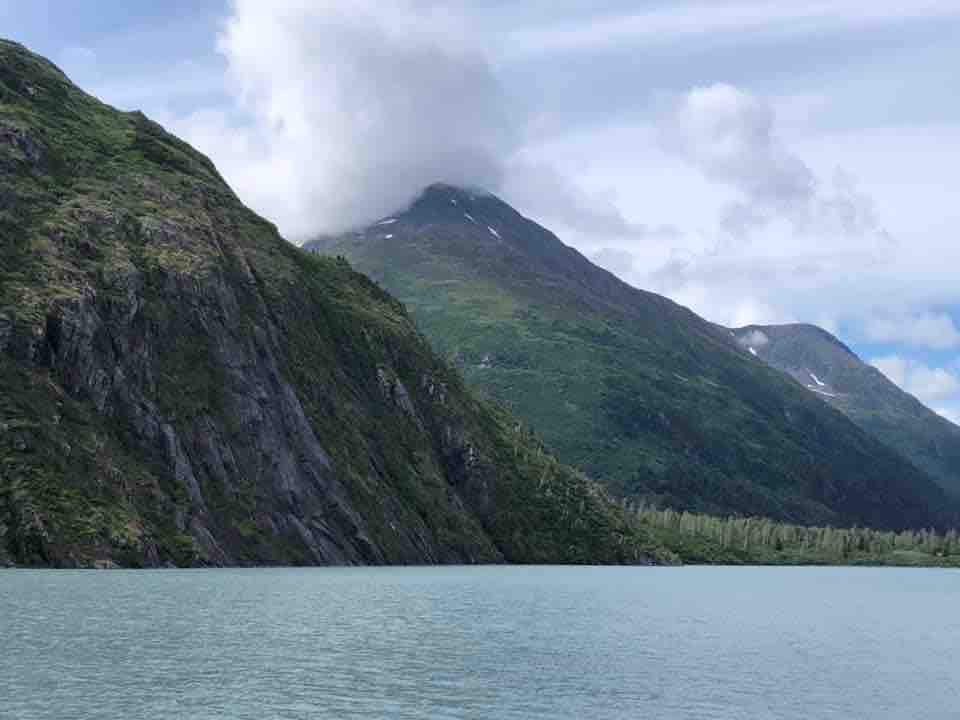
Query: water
{"x": 584, "y": 643}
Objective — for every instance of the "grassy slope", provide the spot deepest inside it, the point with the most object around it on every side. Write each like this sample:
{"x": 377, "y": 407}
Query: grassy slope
{"x": 865, "y": 395}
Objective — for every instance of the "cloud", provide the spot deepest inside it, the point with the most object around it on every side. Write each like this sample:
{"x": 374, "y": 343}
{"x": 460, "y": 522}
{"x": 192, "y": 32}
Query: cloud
{"x": 925, "y": 328}
{"x": 343, "y": 112}
{"x": 540, "y": 190}
{"x": 927, "y": 384}
{"x": 736, "y": 21}
{"x": 754, "y": 338}
{"x": 730, "y": 135}
{"x": 786, "y": 240}
{"x": 618, "y": 261}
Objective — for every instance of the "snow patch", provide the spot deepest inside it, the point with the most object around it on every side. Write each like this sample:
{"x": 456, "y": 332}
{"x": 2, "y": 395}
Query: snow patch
{"x": 469, "y": 217}
{"x": 818, "y": 391}
{"x": 493, "y": 232}
{"x": 389, "y": 221}
{"x": 453, "y": 201}
{"x": 387, "y": 237}
{"x": 752, "y": 351}
{"x": 817, "y": 380}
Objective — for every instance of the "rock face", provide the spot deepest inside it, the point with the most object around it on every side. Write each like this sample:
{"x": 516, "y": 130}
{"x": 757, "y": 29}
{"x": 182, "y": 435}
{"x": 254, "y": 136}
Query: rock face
{"x": 636, "y": 390}
{"x": 832, "y": 372}
{"x": 178, "y": 385}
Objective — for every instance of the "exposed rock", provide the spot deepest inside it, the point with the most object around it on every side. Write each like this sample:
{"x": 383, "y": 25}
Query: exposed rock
{"x": 394, "y": 391}
{"x": 23, "y": 145}
{"x": 184, "y": 387}
{"x": 6, "y": 331}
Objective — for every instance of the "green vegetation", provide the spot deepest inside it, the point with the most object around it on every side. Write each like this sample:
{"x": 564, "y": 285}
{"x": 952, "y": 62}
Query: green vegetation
{"x": 71, "y": 491}
{"x": 866, "y": 396}
{"x": 737, "y": 540}
{"x": 631, "y": 388}
{"x": 179, "y": 385}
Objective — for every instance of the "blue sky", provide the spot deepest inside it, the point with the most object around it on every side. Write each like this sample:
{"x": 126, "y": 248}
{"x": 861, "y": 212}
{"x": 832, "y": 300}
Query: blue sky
{"x": 757, "y": 161}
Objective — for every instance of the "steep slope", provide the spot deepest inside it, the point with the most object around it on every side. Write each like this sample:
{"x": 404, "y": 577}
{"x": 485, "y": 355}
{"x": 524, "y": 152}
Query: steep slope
{"x": 180, "y": 385}
{"x": 828, "y": 368}
{"x": 626, "y": 384}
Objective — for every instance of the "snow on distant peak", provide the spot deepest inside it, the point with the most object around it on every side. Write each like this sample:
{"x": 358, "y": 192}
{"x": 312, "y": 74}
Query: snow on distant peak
{"x": 469, "y": 217}
{"x": 817, "y": 380}
{"x": 752, "y": 351}
{"x": 493, "y": 232}
{"x": 388, "y": 221}
{"x": 818, "y": 391}
{"x": 387, "y": 237}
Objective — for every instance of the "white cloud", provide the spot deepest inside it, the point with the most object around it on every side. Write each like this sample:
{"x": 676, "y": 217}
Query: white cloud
{"x": 925, "y": 328}
{"x": 730, "y": 135}
{"x": 786, "y": 244}
{"x": 927, "y": 384}
{"x": 618, "y": 261}
{"x": 754, "y": 338}
{"x": 344, "y": 112}
{"x": 539, "y": 189}
{"x": 349, "y": 109}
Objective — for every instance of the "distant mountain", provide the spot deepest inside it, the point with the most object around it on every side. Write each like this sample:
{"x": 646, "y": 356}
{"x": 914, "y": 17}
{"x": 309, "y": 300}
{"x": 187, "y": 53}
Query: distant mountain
{"x": 180, "y": 385}
{"x": 834, "y": 373}
{"x": 633, "y": 388}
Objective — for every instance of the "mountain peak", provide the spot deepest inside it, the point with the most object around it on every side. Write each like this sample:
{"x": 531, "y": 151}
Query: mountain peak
{"x": 481, "y": 228}
{"x": 626, "y": 384}
{"x": 448, "y": 191}
{"x": 825, "y": 366}
{"x": 453, "y": 203}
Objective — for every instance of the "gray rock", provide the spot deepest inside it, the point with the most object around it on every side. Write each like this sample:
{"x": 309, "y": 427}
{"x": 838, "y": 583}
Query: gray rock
{"x": 6, "y": 331}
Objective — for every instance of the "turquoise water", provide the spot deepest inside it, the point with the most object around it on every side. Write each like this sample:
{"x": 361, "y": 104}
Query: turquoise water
{"x": 810, "y": 643}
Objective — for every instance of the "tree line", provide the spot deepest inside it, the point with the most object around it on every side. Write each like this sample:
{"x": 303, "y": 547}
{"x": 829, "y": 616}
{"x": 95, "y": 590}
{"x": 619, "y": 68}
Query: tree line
{"x": 707, "y": 538}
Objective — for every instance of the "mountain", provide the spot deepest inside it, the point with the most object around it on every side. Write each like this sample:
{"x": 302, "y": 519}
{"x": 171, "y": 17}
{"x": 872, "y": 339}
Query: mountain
{"x": 179, "y": 385}
{"x": 625, "y": 384}
{"x": 829, "y": 369}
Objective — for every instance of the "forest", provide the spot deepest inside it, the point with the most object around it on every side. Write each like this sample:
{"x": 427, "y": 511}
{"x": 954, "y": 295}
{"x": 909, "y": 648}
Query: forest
{"x": 698, "y": 538}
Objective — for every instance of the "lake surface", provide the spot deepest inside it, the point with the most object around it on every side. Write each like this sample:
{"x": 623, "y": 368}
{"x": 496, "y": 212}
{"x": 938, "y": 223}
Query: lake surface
{"x": 516, "y": 642}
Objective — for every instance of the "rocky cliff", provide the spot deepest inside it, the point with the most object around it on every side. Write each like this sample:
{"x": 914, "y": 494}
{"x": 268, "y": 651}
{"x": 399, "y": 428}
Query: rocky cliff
{"x": 179, "y": 385}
